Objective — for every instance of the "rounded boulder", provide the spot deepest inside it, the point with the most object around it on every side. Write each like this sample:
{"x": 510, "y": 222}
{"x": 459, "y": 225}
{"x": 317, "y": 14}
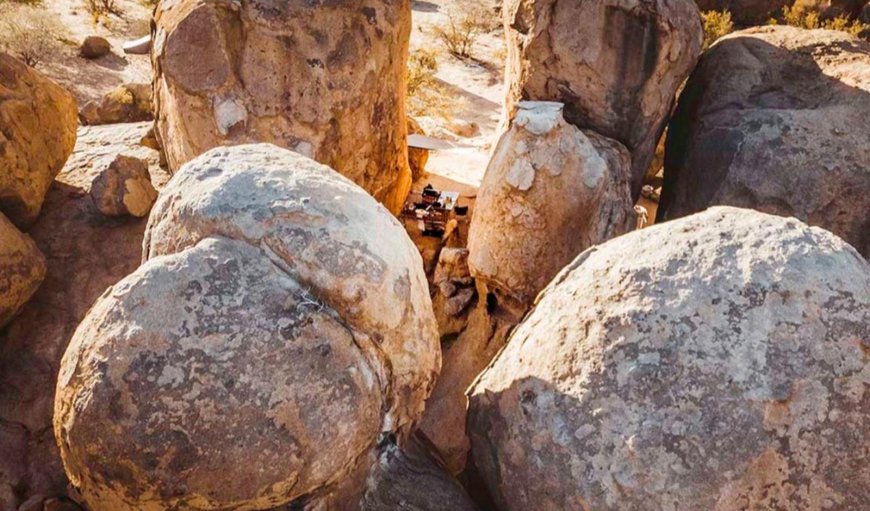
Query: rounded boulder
{"x": 246, "y": 363}
{"x": 722, "y": 367}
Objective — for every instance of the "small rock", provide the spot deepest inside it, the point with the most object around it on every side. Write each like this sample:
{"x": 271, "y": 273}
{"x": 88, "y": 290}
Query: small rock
{"x": 130, "y": 102}
{"x": 457, "y": 304}
{"x": 124, "y": 188}
{"x": 94, "y": 47}
{"x": 464, "y": 128}
{"x": 452, "y": 265}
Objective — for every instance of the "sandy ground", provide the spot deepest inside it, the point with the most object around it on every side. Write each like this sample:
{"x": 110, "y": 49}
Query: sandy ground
{"x": 476, "y": 83}
{"x": 90, "y": 79}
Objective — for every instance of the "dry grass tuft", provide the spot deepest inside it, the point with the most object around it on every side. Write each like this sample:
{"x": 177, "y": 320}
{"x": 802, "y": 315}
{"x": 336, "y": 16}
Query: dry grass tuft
{"x": 806, "y": 18}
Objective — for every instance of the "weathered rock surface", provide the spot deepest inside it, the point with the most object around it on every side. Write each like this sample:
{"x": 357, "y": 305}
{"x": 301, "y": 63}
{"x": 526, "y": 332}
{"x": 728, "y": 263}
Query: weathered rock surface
{"x": 22, "y": 268}
{"x": 212, "y": 343}
{"x": 550, "y": 191}
{"x": 723, "y": 367}
{"x": 746, "y": 12}
{"x": 94, "y": 47}
{"x": 85, "y": 253}
{"x": 413, "y": 478}
{"x": 617, "y": 72}
{"x": 465, "y": 357}
{"x": 130, "y": 102}
{"x": 326, "y": 79}
{"x": 259, "y": 262}
{"x": 320, "y": 225}
{"x": 776, "y": 119}
{"x": 124, "y": 187}
{"x": 37, "y": 134}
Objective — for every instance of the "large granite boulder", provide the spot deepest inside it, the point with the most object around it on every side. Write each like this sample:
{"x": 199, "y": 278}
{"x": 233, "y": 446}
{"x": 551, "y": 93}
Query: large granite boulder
{"x": 776, "y": 119}
{"x": 22, "y": 268}
{"x": 615, "y": 65}
{"x": 37, "y": 134}
{"x": 722, "y": 367}
{"x": 321, "y": 227}
{"x": 266, "y": 324}
{"x": 326, "y": 79}
{"x": 550, "y": 191}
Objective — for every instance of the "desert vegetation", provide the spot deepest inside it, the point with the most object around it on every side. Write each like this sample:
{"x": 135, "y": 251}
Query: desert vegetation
{"x": 29, "y": 35}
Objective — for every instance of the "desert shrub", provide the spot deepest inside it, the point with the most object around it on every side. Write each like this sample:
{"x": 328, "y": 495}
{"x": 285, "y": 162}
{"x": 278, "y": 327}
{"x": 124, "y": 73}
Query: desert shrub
{"x": 29, "y": 34}
{"x": 462, "y": 28}
{"x": 801, "y": 17}
{"x": 422, "y": 66}
{"x": 426, "y": 96}
{"x": 102, "y": 8}
{"x": 716, "y": 24}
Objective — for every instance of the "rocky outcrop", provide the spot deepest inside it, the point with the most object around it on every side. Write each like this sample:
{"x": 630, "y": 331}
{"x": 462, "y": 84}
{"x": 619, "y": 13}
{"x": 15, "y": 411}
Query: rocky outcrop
{"x": 123, "y": 187}
{"x": 722, "y": 367}
{"x": 550, "y": 191}
{"x": 22, "y": 268}
{"x": 258, "y": 262}
{"x": 616, "y": 66}
{"x": 85, "y": 253}
{"x": 37, "y": 134}
{"x": 326, "y": 79}
{"x": 776, "y": 119}
{"x": 130, "y": 102}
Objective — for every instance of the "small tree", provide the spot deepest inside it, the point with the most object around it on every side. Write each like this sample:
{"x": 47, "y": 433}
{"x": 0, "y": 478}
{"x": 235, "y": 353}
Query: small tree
{"x": 29, "y": 34}
{"x": 462, "y": 28}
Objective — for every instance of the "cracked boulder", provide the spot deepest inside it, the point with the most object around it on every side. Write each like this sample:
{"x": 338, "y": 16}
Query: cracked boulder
{"x": 22, "y": 269}
{"x": 616, "y": 72}
{"x": 266, "y": 324}
{"x": 38, "y": 121}
{"x": 776, "y": 119}
{"x": 550, "y": 191}
{"x": 326, "y": 79}
{"x": 723, "y": 367}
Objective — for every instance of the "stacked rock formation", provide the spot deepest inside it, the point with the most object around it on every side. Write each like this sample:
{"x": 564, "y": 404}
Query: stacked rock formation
{"x": 550, "y": 191}
{"x": 326, "y": 79}
{"x": 38, "y": 120}
{"x": 616, "y": 77}
{"x": 563, "y": 176}
{"x": 265, "y": 313}
{"x": 722, "y": 367}
{"x": 776, "y": 119}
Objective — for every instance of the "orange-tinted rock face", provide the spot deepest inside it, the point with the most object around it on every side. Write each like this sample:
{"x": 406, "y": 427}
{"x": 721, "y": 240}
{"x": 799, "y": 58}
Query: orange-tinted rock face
{"x": 325, "y": 80}
{"x": 37, "y": 134}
